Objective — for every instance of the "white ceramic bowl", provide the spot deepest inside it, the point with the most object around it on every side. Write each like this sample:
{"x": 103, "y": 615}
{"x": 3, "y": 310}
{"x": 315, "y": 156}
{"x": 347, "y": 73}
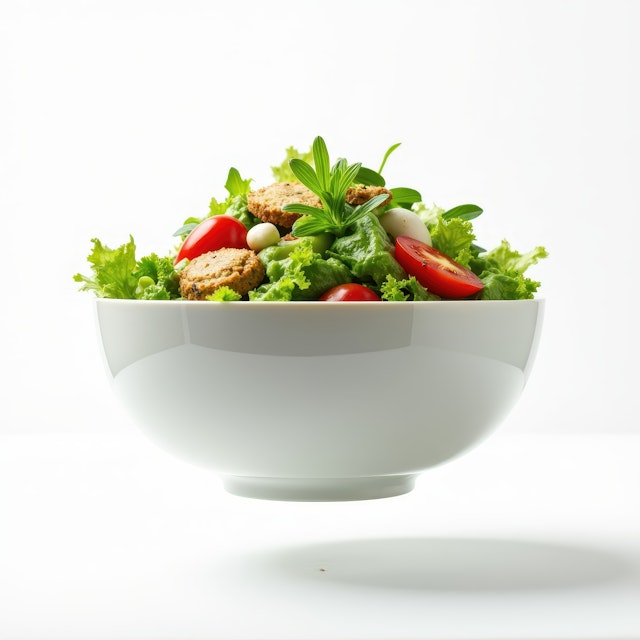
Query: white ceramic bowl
{"x": 318, "y": 400}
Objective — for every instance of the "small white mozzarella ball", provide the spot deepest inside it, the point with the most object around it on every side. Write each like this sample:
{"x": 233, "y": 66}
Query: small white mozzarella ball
{"x": 402, "y": 222}
{"x": 262, "y": 235}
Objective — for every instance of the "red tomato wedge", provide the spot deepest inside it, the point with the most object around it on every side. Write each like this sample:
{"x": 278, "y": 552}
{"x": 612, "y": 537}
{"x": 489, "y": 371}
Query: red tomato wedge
{"x": 213, "y": 233}
{"x": 434, "y": 270}
{"x": 349, "y": 293}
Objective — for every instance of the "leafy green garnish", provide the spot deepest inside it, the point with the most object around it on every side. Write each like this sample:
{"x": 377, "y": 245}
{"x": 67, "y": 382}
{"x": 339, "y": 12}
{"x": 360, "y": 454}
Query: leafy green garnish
{"x": 117, "y": 274}
{"x": 463, "y": 211}
{"x": 395, "y": 290}
{"x": 330, "y": 184}
{"x": 368, "y": 252}
{"x": 455, "y": 238}
{"x": 157, "y": 278}
{"x": 505, "y": 258}
{"x": 224, "y": 294}
{"x": 388, "y": 152}
{"x": 235, "y": 185}
{"x": 502, "y": 272}
{"x": 112, "y": 271}
{"x": 336, "y": 243}
{"x": 282, "y": 172}
{"x": 401, "y": 196}
{"x": 507, "y": 286}
{"x": 369, "y": 177}
{"x": 404, "y": 197}
{"x": 302, "y": 274}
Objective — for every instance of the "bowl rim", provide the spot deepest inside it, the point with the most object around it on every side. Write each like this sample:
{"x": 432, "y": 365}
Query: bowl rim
{"x": 316, "y": 303}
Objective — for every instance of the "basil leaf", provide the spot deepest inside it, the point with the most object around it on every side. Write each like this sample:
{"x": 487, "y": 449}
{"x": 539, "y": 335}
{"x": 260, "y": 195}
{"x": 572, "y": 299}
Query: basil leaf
{"x": 404, "y": 195}
{"x": 463, "y": 211}
{"x": 370, "y": 177}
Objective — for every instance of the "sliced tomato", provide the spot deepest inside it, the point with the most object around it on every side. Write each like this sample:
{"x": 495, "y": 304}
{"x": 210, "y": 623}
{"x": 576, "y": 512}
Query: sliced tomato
{"x": 350, "y": 293}
{"x": 213, "y": 233}
{"x": 435, "y": 270}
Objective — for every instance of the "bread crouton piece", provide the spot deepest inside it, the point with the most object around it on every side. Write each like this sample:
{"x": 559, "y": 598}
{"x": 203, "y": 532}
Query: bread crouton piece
{"x": 238, "y": 269}
{"x": 266, "y": 203}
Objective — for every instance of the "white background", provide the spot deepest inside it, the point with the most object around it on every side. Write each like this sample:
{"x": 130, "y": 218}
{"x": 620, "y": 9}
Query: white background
{"x": 124, "y": 117}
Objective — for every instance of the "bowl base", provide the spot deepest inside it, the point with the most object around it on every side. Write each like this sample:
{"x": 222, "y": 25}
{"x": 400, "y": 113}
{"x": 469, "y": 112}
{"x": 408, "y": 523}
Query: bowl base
{"x": 319, "y": 489}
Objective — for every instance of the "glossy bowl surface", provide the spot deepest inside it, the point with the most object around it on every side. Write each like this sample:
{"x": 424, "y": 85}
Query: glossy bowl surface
{"x": 318, "y": 400}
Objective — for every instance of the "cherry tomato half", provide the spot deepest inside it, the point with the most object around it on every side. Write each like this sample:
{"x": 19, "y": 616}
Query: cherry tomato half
{"x": 213, "y": 233}
{"x": 434, "y": 270}
{"x": 349, "y": 293}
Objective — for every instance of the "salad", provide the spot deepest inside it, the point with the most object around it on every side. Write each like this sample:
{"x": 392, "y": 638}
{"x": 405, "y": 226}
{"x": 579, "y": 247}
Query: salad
{"x": 321, "y": 232}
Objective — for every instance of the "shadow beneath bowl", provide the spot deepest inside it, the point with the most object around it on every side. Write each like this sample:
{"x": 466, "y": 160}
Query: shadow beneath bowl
{"x": 443, "y": 564}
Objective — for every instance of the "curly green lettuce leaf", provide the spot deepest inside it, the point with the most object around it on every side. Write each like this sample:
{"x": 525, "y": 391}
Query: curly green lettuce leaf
{"x": 117, "y": 274}
{"x": 507, "y": 286}
{"x": 505, "y": 258}
{"x": 236, "y": 185}
{"x": 158, "y": 278}
{"x": 394, "y": 290}
{"x": 368, "y": 252}
{"x": 502, "y": 272}
{"x": 303, "y": 274}
{"x": 283, "y": 172}
{"x": 224, "y": 294}
{"x": 112, "y": 271}
{"x": 455, "y": 238}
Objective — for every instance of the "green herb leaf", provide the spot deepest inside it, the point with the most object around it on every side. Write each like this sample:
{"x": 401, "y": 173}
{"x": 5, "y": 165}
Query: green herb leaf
{"x": 303, "y": 209}
{"x": 343, "y": 177}
{"x": 361, "y": 210}
{"x": 370, "y": 177}
{"x": 321, "y": 161}
{"x": 330, "y": 184}
{"x": 405, "y": 197}
{"x": 305, "y": 174}
{"x": 312, "y": 226}
{"x": 463, "y": 211}
{"x": 390, "y": 150}
{"x": 185, "y": 229}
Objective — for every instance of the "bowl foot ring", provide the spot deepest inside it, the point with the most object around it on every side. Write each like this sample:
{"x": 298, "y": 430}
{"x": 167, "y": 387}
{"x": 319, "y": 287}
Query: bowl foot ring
{"x": 319, "y": 489}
